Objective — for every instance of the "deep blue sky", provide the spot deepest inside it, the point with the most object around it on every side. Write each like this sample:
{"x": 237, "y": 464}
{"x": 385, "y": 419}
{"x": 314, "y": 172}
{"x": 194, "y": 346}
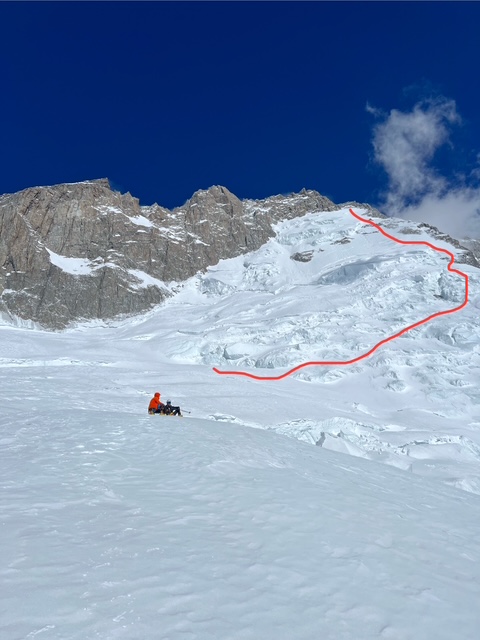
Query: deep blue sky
{"x": 263, "y": 98}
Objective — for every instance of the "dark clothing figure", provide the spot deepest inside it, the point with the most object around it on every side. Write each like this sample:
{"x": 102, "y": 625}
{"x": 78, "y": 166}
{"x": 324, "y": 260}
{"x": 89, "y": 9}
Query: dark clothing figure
{"x": 170, "y": 410}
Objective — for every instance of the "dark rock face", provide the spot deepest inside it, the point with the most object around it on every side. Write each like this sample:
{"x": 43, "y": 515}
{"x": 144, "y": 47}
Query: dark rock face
{"x": 302, "y": 256}
{"x": 82, "y": 251}
{"x": 474, "y": 247}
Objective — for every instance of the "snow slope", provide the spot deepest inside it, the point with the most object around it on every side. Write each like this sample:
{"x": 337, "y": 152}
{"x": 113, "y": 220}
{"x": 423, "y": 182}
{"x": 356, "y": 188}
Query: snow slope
{"x": 116, "y": 524}
{"x": 128, "y": 526}
{"x": 413, "y": 404}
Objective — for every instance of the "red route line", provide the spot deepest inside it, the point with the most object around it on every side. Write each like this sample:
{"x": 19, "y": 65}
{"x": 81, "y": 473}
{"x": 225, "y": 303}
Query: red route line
{"x": 382, "y": 342}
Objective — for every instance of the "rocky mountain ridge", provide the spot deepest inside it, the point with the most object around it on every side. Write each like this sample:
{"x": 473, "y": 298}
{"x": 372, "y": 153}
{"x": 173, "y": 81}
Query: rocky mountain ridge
{"x": 83, "y": 251}
{"x": 80, "y": 251}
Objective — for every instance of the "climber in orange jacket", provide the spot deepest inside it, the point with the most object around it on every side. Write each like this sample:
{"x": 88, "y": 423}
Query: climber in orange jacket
{"x": 156, "y": 405}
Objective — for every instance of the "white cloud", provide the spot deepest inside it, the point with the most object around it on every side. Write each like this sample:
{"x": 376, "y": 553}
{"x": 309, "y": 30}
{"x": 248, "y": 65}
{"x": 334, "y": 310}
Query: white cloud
{"x": 374, "y": 110}
{"x": 457, "y": 212}
{"x": 405, "y": 144}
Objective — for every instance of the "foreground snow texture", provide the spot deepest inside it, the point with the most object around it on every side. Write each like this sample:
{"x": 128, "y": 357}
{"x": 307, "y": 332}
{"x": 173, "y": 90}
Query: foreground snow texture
{"x": 148, "y": 527}
{"x": 119, "y": 525}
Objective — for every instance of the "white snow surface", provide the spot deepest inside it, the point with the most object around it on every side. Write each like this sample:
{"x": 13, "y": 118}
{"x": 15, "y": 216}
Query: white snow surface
{"x": 74, "y": 266}
{"x": 229, "y": 523}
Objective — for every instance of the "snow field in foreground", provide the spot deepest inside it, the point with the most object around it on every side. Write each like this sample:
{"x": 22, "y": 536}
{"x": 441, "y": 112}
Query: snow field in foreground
{"x": 122, "y": 526}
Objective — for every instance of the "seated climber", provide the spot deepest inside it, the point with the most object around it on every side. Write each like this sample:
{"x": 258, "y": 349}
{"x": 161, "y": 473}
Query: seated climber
{"x": 170, "y": 410}
{"x": 156, "y": 406}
